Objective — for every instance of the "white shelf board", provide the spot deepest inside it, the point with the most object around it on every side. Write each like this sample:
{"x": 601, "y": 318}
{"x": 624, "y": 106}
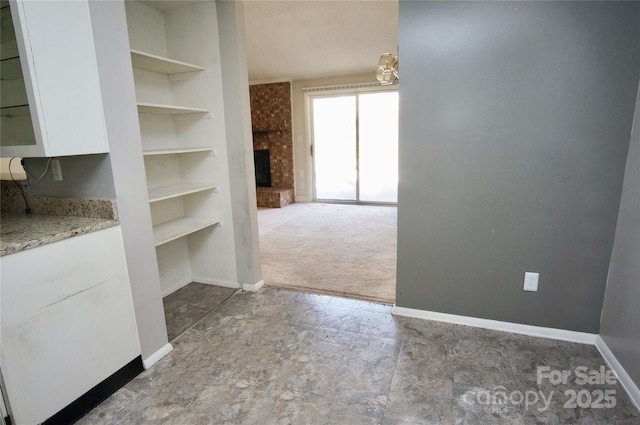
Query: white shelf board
{"x": 179, "y": 189}
{"x": 154, "y": 108}
{"x": 175, "y": 151}
{"x": 175, "y": 229}
{"x": 149, "y": 62}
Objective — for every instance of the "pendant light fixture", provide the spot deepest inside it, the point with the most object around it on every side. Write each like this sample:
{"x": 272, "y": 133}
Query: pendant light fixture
{"x": 388, "y": 69}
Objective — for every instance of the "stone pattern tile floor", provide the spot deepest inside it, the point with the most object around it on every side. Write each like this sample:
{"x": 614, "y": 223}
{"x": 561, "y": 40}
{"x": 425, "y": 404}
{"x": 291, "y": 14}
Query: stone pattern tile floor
{"x": 189, "y": 304}
{"x": 287, "y": 357}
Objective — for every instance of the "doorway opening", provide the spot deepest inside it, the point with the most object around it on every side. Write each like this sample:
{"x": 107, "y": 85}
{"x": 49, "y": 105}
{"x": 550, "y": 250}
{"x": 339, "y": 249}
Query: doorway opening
{"x": 355, "y": 147}
{"x": 336, "y": 245}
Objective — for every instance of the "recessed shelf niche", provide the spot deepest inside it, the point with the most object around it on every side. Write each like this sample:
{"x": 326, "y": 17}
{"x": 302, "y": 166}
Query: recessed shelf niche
{"x": 176, "y": 71}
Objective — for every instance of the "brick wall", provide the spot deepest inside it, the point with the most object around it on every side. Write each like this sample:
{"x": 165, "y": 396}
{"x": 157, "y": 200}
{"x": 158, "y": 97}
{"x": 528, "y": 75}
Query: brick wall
{"x": 271, "y": 125}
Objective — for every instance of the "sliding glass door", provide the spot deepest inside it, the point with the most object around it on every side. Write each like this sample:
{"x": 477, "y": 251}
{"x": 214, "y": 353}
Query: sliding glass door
{"x": 355, "y": 140}
{"x": 378, "y": 146}
{"x": 335, "y": 147}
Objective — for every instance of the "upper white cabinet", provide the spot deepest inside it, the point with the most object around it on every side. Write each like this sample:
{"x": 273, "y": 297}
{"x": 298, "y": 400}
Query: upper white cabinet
{"x": 51, "y": 99}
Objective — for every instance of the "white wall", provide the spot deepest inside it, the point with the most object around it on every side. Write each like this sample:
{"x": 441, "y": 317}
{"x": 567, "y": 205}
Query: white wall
{"x": 83, "y": 176}
{"x": 114, "y": 64}
{"x": 621, "y": 311}
{"x": 239, "y": 141}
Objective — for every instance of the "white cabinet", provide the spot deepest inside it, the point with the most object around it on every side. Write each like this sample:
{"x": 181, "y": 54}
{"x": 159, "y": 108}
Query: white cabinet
{"x": 175, "y": 59}
{"x": 67, "y": 321}
{"x": 51, "y": 99}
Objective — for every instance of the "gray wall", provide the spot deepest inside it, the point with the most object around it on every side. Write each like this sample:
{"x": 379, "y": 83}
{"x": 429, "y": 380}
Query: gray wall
{"x": 86, "y": 176}
{"x": 619, "y": 327}
{"x": 116, "y": 81}
{"x": 237, "y": 114}
{"x": 514, "y": 130}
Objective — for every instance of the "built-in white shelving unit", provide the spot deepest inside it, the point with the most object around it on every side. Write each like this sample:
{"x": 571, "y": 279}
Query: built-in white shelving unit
{"x": 181, "y": 113}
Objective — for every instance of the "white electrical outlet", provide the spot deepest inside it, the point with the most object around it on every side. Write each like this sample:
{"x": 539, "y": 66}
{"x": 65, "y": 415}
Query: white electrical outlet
{"x": 56, "y": 171}
{"x": 531, "y": 281}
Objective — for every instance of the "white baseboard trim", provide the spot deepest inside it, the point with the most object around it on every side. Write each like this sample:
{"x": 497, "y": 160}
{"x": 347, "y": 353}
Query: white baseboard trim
{"x": 216, "y": 282}
{"x": 252, "y": 287}
{"x": 517, "y": 328}
{"x": 301, "y": 199}
{"x": 155, "y": 357}
{"x": 624, "y": 378}
{"x": 178, "y": 285}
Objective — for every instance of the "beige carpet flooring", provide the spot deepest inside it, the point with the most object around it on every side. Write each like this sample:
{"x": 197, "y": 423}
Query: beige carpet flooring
{"x": 347, "y": 250}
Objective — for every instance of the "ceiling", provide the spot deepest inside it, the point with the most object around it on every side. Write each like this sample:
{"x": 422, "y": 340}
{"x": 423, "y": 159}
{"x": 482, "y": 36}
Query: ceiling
{"x": 297, "y": 39}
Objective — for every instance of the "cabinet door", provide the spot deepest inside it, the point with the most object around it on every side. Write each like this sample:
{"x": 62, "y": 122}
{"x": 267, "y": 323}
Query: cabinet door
{"x": 68, "y": 321}
{"x": 57, "y": 53}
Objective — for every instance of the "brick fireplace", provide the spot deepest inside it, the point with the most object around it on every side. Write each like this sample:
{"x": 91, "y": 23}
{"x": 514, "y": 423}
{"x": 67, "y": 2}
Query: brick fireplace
{"x": 272, "y": 132}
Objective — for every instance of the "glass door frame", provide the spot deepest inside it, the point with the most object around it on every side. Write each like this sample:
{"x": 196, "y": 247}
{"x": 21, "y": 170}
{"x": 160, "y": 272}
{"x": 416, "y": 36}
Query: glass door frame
{"x": 326, "y": 92}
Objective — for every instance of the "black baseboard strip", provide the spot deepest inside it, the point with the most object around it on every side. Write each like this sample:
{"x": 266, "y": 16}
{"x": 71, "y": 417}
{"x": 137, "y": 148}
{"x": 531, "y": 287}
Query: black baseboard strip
{"x": 97, "y": 394}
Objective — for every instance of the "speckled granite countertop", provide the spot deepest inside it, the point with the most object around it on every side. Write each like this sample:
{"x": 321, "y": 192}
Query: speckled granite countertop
{"x": 53, "y": 219}
{"x": 19, "y": 232}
